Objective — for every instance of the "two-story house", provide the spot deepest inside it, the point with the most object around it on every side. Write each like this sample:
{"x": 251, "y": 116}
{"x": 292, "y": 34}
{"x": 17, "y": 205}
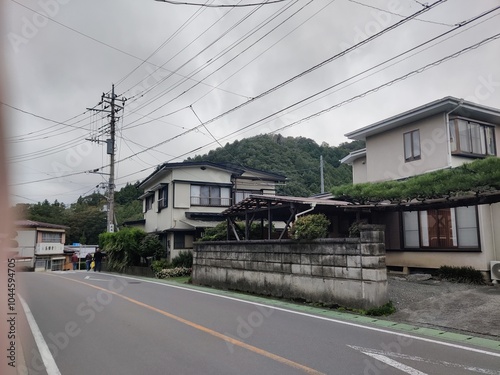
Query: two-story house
{"x": 41, "y": 245}
{"x": 442, "y": 134}
{"x": 181, "y": 200}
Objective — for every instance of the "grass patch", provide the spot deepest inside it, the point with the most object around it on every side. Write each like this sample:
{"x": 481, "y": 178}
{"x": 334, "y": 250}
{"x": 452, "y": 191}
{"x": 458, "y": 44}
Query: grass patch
{"x": 383, "y": 310}
{"x": 181, "y": 279}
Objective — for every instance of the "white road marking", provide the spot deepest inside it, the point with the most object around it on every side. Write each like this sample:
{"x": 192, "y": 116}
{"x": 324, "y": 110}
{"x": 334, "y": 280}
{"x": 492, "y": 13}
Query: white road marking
{"x": 89, "y": 278}
{"x": 393, "y": 363}
{"x": 369, "y": 352}
{"x": 47, "y": 358}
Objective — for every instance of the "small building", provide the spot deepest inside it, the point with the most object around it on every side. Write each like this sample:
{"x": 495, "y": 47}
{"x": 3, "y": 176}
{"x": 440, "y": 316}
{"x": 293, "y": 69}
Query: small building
{"x": 41, "y": 245}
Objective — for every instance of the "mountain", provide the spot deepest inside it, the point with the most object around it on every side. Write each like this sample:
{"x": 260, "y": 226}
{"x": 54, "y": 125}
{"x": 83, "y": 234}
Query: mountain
{"x": 297, "y": 158}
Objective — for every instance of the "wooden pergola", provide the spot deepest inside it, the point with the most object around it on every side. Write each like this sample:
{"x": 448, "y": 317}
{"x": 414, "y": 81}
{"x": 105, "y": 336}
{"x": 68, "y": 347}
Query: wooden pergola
{"x": 286, "y": 209}
{"x": 273, "y": 208}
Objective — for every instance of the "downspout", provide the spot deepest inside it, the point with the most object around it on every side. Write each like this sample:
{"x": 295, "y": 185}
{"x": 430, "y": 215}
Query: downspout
{"x": 447, "y": 119}
{"x": 313, "y": 206}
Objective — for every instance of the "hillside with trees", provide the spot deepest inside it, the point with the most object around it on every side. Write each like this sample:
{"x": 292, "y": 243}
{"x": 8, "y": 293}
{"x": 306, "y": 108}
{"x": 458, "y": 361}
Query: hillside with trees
{"x": 296, "y": 158}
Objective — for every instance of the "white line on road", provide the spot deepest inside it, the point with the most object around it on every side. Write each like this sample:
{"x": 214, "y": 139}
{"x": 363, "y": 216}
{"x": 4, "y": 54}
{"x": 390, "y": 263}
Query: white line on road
{"x": 393, "y": 363}
{"x": 88, "y": 278}
{"x": 47, "y": 358}
{"x": 479, "y": 370}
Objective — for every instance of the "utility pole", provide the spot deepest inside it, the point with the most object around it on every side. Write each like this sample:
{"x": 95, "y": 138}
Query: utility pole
{"x": 321, "y": 174}
{"x": 114, "y": 108}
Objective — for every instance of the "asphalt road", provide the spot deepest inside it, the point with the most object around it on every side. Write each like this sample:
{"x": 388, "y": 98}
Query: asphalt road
{"x": 97, "y": 323}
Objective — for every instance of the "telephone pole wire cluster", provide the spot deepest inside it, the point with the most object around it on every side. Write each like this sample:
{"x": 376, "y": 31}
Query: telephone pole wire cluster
{"x": 110, "y": 106}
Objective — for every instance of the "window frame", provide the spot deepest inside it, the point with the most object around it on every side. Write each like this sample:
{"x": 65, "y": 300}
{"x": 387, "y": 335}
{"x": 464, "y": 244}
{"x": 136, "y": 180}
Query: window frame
{"x": 413, "y": 136}
{"x": 455, "y": 136}
{"x": 245, "y": 193}
{"x": 48, "y": 236}
{"x": 210, "y": 195}
{"x": 149, "y": 202}
{"x": 420, "y": 232}
{"x": 162, "y": 197}
{"x": 178, "y": 241}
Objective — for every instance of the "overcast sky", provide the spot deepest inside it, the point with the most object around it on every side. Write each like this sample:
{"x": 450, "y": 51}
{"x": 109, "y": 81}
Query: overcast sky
{"x": 178, "y": 65}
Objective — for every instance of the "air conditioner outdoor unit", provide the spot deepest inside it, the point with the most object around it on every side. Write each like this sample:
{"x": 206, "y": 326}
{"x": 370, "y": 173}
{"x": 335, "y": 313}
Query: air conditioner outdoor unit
{"x": 495, "y": 270}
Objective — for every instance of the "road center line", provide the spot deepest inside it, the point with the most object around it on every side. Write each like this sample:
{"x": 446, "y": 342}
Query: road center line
{"x": 225, "y": 338}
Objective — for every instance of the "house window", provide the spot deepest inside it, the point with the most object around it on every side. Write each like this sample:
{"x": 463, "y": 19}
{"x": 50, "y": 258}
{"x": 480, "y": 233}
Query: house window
{"x": 210, "y": 195}
{"x": 471, "y": 138}
{"x": 243, "y": 194}
{"x": 445, "y": 228}
{"x": 162, "y": 198}
{"x": 412, "y": 145}
{"x": 51, "y": 237}
{"x": 149, "y": 202}
{"x": 179, "y": 241}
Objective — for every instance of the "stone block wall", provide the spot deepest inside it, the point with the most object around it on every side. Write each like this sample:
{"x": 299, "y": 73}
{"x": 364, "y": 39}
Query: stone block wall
{"x": 350, "y": 272}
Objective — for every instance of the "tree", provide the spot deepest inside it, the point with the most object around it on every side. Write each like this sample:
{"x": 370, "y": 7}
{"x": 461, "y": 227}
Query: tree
{"x": 122, "y": 248}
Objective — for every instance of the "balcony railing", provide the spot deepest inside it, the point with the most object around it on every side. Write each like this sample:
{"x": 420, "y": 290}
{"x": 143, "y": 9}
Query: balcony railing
{"x": 208, "y": 201}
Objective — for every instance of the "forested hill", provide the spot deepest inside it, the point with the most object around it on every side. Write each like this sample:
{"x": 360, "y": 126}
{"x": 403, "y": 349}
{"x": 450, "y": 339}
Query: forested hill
{"x": 297, "y": 158}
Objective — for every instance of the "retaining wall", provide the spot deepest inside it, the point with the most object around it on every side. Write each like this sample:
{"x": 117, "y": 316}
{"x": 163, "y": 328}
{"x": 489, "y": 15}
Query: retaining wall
{"x": 349, "y": 272}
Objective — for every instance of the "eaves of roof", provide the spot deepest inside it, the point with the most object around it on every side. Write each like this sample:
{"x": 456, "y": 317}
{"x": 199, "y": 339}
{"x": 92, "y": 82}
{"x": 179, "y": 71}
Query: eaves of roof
{"x": 448, "y": 104}
{"x": 38, "y": 224}
{"x": 233, "y": 169}
{"x": 353, "y": 156}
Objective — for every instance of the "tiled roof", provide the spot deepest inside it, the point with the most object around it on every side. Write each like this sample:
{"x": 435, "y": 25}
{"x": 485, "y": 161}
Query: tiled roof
{"x": 38, "y": 224}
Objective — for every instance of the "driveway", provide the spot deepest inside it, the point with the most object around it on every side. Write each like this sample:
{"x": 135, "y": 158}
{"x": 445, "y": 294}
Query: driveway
{"x": 466, "y": 308}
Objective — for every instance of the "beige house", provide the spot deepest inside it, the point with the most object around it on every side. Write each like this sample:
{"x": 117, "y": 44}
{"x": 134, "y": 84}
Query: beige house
{"x": 41, "y": 245}
{"x": 442, "y": 134}
{"x": 181, "y": 200}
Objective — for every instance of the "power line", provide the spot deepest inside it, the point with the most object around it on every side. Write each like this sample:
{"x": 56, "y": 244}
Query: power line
{"x": 397, "y": 14}
{"x": 400, "y": 78}
{"x": 459, "y": 25}
{"x": 11, "y": 139}
{"x": 389, "y": 83}
{"x": 214, "y": 59}
{"x": 88, "y": 36}
{"x": 300, "y": 74}
{"x": 169, "y": 39}
{"x": 221, "y": 5}
{"x": 212, "y": 43}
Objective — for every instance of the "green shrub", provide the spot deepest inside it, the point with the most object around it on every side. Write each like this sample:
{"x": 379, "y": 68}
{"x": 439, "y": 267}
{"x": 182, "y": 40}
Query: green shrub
{"x": 159, "y": 265}
{"x": 217, "y": 233}
{"x": 354, "y": 228}
{"x": 309, "y": 227}
{"x": 173, "y": 272}
{"x": 467, "y": 274}
{"x": 183, "y": 259}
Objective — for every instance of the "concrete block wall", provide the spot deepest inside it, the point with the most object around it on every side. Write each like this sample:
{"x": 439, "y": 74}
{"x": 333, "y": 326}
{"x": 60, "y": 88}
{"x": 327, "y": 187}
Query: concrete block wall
{"x": 349, "y": 272}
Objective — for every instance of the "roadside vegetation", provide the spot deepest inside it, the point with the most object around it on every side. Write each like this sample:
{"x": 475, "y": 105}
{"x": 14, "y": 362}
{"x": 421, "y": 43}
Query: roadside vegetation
{"x": 181, "y": 266}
